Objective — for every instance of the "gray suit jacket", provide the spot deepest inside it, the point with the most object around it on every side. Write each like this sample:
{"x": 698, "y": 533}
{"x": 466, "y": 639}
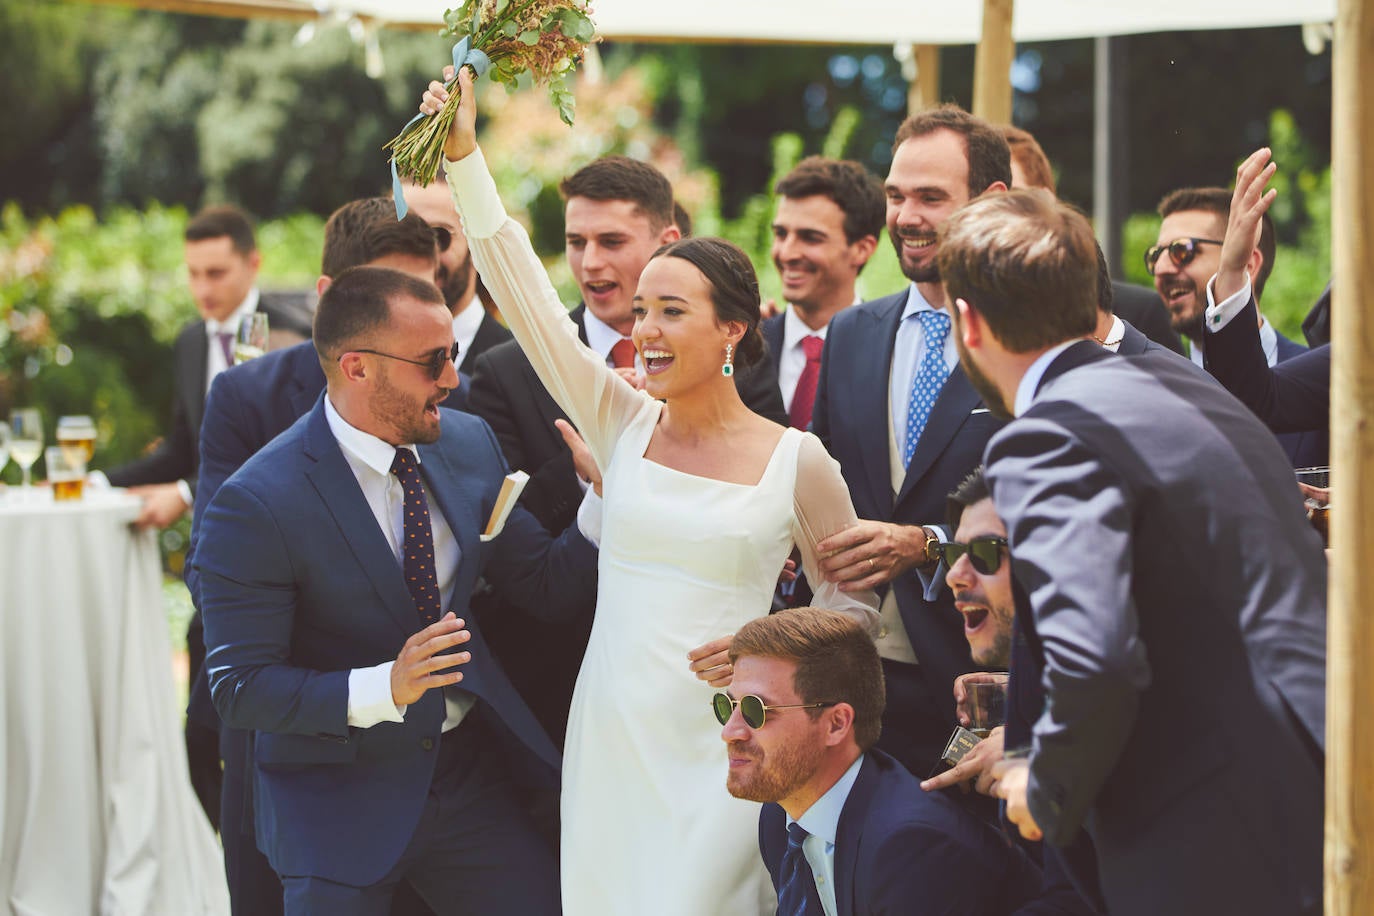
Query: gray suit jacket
{"x": 1179, "y": 596}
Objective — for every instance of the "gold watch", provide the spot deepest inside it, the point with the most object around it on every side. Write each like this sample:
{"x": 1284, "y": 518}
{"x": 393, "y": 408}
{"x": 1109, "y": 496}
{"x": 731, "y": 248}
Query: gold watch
{"x": 932, "y": 547}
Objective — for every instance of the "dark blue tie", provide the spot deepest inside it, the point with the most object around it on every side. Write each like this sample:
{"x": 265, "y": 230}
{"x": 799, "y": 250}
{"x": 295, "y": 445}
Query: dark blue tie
{"x": 417, "y": 548}
{"x": 797, "y": 895}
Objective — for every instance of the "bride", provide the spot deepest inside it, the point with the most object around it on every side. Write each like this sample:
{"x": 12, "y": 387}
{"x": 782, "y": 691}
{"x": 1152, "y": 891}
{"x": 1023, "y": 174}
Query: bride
{"x": 703, "y": 502}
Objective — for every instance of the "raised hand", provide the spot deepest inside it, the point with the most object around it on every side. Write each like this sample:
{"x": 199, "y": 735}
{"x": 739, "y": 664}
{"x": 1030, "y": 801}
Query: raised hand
{"x": 462, "y": 136}
{"x": 1249, "y": 203}
{"x": 711, "y": 662}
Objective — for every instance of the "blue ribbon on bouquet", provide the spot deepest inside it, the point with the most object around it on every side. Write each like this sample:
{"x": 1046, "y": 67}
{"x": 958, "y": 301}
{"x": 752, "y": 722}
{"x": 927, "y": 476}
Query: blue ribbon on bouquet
{"x": 463, "y": 54}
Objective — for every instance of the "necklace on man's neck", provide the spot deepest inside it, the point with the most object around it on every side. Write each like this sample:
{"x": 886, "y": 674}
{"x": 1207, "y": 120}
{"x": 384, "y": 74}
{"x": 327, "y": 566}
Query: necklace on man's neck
{"x": 1111, "y": 341}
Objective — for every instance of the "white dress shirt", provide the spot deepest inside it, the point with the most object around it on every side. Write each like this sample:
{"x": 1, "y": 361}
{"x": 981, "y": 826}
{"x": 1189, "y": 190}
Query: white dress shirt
{"x": 792, "y": 359}
{"x": 1219, "y": 314}
{"x": 822, "y": 821}
{"x": 215, "y": 362}
{"x": 465, "y": 326}
{"x": 370, "y": 458}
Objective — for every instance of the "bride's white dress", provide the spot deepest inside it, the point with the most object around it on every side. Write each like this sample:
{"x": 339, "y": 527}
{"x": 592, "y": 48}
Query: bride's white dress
{"x": 647, "y": 824}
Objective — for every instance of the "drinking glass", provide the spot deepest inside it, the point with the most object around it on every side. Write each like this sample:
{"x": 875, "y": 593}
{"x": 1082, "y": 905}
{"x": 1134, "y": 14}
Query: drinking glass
{"x": 77, "y": 433}
{"x": 251, "y": 340}
{"x": 987, "y": 704}
{"x": 4, "y": 445}
{"x": 66, "y": 472}
{"x": 26, "y": 440}
{"x": 1316, "y": 489}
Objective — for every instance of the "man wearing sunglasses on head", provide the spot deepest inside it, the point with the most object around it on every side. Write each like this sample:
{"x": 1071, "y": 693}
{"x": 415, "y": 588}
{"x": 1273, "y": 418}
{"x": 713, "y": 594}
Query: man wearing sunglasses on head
{"x": 1186, "y": 257}
{"x": 845, "y": 830}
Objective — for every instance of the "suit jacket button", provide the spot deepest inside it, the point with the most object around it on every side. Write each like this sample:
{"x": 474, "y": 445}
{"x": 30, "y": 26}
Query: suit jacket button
{"x": 427, "y": 744}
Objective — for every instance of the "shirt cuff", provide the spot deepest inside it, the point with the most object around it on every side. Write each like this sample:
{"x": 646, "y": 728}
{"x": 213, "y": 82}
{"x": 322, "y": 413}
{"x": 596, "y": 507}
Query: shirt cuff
{"x": 934, "y": 580}
{"x": 589, "y": 517}
{"x": 475, "y": 196}
{"x": 1219, "y": 314}
{"x": 187, "y": 496}
{"x": 369, "y": 697}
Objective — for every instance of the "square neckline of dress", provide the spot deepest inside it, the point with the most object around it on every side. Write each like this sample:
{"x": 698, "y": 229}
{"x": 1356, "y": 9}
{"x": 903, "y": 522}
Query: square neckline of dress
{"x": 767, "y": 468}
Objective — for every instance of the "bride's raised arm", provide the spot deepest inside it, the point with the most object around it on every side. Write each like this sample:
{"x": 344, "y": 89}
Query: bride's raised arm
{"x": 822, "y": 508}
{"x": 599, "y": 402}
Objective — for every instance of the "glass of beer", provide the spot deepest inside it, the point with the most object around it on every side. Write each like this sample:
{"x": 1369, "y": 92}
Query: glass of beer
{"x": 66, "y": 472}
{"x": 78, "y": 434}
{"x": 987, "y": 703}
{"x": 26, "y": 440}
{"x": 251, "y": 340}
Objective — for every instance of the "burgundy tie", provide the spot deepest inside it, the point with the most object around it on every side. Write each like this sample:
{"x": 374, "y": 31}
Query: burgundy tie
{"x": 226, "y": 343}
{"x": 804, "y": 397}
{"x": 417, "y": 549}
{"x": 623, "y": 354}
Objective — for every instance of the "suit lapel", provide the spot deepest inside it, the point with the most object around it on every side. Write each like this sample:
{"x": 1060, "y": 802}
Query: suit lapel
{"x": 459, "y": 497}
{"x": 849, "y": 833}
{"x": 333, "y": 479}
{"x": 956, "y": 401}
{"x": 197, "y": 363}
{"x": 871, "y": 376}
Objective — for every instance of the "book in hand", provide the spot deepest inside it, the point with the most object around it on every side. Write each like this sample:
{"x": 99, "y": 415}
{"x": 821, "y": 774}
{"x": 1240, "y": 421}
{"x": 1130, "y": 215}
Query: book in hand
{"x": 511, "y": 489}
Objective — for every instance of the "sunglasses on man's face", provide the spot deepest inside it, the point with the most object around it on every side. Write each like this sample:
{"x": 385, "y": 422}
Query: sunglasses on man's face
{"x": 752, "y": 709}
{"x": 434, "y": 365}
{"x": 985, "y": 553}
{"x": 442, "y": 237}
{"x": 1181, "y": 252}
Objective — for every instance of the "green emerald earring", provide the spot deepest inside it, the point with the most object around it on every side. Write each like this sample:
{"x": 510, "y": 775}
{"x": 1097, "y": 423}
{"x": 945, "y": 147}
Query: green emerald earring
{"x": 728, "y": 369}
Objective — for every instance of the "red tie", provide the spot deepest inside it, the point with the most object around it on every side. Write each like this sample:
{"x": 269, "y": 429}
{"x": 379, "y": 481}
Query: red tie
{"x": 804, "y": 397}
{"x": 623, "y": 353}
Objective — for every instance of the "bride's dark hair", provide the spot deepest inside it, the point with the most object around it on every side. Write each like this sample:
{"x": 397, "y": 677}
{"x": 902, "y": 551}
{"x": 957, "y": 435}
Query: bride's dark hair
{"x": 734, "y": 287}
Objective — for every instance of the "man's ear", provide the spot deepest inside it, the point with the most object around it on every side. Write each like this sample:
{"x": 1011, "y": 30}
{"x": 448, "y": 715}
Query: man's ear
{"x": 1254, "y": 264}
{"x": 352, "y": 367}
{"x": 862, "y": 250}
{"x": 839, "y": 720}
{"x": 254, "y": 260}
{"x": 322, "y": 284}
{"x": 968, "y": 325}
{"x": 670, "y": 233}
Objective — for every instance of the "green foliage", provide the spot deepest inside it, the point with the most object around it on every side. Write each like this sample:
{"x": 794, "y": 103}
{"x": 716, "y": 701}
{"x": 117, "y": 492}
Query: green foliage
{"x": 1302, "y": 223}
{"x": 89, "y": 308}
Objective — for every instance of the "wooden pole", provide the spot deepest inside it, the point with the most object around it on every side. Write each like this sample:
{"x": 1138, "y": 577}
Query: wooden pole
{"x": 925, "y": 86}
{"x": 1350, "y": 624}
{"x": 992, "y": 64}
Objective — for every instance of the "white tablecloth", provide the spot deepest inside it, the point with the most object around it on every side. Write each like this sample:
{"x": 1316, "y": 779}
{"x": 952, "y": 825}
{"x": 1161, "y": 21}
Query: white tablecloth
{"x": 97, "y": 814}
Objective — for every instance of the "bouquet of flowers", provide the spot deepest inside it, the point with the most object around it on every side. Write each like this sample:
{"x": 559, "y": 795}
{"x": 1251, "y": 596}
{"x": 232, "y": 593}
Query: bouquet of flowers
{"x": 508, "y": 38}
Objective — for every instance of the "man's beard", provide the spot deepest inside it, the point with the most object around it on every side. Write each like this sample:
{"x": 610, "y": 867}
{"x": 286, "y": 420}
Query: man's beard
{"x": 779, "y": 775}
{"x": 991, "y": 396}
{"x": 455, "y": 284}
{"x": 390, "y": 406}
{"x": 916, "y": 273}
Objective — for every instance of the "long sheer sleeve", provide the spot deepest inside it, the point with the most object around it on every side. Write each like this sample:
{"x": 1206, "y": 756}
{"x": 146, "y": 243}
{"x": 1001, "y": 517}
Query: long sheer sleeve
{"x": 822, "y": 508}
{"x": 598, "y": 401}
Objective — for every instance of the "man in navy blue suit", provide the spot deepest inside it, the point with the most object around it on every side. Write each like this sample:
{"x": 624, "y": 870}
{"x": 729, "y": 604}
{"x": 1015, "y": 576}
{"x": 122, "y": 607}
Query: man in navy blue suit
{"x": 1183, "y": 261}
{"x": 248, "y": 406}
{"x": 897, "y": 412}
{"x": 845, "y": 830}
{"x": 336, "y": 568}
{"x": 1176, "y": 592}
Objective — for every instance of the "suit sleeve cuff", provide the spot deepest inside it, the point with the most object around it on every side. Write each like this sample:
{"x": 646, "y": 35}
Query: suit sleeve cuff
{"x": 187, "y": 496}
{"x": 369, "y": 697}
{"x": 475, "y": 196}
{"x": 932, "y": 580}
{"x": 1219, "y": 314}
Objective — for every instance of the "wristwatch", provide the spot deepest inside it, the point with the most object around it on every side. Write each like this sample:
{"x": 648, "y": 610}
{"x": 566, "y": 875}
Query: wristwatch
{"x": 932, "y": 552}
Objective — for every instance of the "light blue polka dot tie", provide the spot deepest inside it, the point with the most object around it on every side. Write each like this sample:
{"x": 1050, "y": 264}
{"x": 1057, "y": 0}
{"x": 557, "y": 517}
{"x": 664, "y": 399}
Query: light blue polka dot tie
{"x": 930, "y": 378}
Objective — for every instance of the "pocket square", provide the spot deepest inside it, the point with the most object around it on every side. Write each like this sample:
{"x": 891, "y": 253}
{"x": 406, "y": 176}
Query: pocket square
{"x": 978, "y": 410}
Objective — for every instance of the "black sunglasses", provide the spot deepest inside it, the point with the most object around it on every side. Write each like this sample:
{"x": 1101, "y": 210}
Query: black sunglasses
{"x": 985, "y": 553}
{"x": 442, "y": 237}
{"x": 751, "y": 708}
{"x": 435, "y": 364}
{"x": 1181, "y": 252}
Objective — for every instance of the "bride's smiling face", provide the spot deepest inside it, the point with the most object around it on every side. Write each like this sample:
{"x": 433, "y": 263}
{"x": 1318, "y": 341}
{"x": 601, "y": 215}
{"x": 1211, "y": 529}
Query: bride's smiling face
{"x": 677, "y": 332}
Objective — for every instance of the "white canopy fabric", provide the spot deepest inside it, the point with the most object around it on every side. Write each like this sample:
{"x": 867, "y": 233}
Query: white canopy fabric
{"x": 880, "y": 22}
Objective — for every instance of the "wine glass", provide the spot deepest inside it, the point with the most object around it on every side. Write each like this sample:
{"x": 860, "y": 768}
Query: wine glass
{"x": 4, "y": 445}
{"x": 251, "y": 340}
{"x": 26, "y": 440}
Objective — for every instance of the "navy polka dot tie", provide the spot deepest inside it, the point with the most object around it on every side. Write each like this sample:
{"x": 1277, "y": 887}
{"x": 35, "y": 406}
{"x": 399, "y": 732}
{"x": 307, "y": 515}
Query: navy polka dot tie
{"x": 417, "y": 549}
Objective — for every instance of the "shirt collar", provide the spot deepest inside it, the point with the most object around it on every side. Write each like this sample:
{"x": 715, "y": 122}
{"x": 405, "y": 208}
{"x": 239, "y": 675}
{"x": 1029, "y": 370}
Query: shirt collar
{"x": 822, "y": 819}
{"x": 230, "y": 325}
{"x": 376, "y": 453}
{"x": 466, "y": 323}
{"x": 1269, "y": 340}
{"x": 1116, "y": 335}
{"x": 600, "y": 335}
{"x": 794, "y": 329}
{"x": 1025, "y": 391}
{"x": 915, "y": 302}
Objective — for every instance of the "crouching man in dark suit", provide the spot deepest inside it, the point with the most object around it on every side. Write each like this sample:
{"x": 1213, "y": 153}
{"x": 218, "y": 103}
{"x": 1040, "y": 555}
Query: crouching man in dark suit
{"x": 336, "y": 568}
{"x": 845, "y": 830}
